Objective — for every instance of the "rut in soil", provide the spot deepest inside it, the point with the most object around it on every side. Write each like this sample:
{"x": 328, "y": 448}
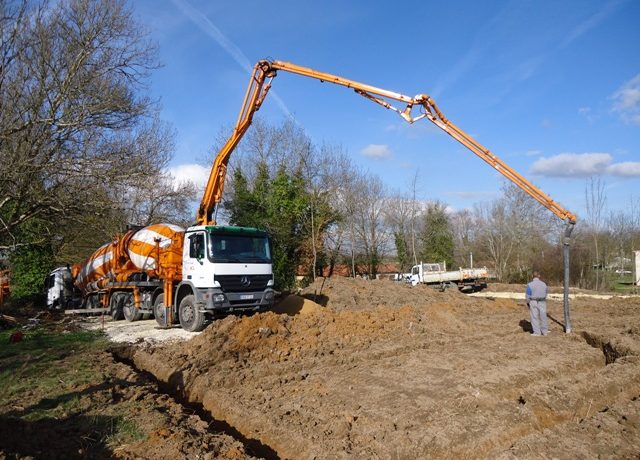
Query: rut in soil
{"x": 252, "y": 446}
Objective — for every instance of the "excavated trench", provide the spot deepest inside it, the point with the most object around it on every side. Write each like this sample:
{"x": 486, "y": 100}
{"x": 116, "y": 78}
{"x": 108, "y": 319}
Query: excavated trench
{"x": 124, "y": 355}
{"x": 611, "y": 350}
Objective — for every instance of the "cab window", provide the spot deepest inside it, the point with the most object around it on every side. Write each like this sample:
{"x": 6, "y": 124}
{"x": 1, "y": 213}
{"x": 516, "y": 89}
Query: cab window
{"x": 196, "y": 246}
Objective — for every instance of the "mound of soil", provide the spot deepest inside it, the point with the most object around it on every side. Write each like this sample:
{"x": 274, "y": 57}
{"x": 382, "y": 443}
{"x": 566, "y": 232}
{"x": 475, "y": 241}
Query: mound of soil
{"x": 384, "y": 370}
{"x": 340, "y": 293}
{"x": 294, "y": 305}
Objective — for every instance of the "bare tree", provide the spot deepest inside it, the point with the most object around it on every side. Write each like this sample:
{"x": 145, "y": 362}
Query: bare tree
{"x": 368, "y": 204}
{"x": 398, "y": 216}
{"x": 342, "y": 232}
{"x": 414, "y": 213}
{"x": 595, "y": 202}
{"x": 74, "y": 124}
{"x": 517, "y": 232}
{"x": 465, "y": 231}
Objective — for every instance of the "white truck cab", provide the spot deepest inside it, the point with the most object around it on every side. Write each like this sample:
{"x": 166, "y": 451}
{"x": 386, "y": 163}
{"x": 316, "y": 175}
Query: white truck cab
{"x": 59, "y": 288}
{"x": 224, "y": 270}
{"x": 436, "y": 275}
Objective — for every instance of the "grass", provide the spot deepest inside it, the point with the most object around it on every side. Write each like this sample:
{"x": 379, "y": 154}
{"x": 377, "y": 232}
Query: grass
{"x": 33, "y": 364}
{"x": 622, "y": 284}
{"x": 124, "y": 430}
{"x": 58, "y": 381}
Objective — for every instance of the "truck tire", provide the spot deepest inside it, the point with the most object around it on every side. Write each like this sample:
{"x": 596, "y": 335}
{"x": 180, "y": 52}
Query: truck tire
{"x": 159, "y": 310}
{"x": 115, "y": 307}
{"x": 191, "y": 319}
{"x": 131, "y": 313}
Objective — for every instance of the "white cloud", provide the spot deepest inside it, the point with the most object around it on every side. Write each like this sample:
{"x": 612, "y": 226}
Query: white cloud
{"x": 584, "y": 165}
{"x": 625, "y": 169}
{"x": 195, "y": 173}
{"x": 626, "y": 101}
{"x": 572, "y": 165}
{"x": 377, "y": 151}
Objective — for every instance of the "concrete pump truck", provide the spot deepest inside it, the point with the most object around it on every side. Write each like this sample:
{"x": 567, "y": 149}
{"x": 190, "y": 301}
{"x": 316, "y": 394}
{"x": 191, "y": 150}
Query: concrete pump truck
{"x": 207, "y": 269}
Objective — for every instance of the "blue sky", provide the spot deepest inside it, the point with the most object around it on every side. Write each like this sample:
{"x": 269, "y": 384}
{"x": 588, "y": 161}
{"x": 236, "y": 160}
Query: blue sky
{"x": 552, "y": 88}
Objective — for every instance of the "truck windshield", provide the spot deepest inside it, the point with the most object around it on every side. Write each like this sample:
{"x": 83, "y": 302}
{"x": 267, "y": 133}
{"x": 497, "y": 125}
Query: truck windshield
{"x": 225, "y": 248}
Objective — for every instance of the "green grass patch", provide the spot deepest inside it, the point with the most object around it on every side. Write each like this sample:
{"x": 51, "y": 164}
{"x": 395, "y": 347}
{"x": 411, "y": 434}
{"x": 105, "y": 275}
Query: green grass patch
{"x": 46, "y": 364}
{"x": 124, "y": 430}
{"x": 622, "y": 284}
{"x": 62, "y": 382}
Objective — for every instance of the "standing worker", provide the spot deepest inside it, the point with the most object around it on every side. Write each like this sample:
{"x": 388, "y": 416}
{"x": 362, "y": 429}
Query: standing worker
{"x": 537, "y": 303}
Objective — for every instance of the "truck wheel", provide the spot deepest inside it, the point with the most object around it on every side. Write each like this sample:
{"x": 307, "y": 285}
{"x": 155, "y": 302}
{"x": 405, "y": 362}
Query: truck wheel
{"x": 159, "y": 311}
{"x": 115, "y": 307}
{"x": 131, "y": 313}
{"x": 191, "y": 319}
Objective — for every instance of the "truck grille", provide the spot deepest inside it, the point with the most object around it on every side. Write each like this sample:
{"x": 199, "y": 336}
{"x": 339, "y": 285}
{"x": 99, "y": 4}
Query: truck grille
{"x": 238, "y": 283}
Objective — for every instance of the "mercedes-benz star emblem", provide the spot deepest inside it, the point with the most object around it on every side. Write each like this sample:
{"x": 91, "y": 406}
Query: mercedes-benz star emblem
{"x": 245, "y": 281}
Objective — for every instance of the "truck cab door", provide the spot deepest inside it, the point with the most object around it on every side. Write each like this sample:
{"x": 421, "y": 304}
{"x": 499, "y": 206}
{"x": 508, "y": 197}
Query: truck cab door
{"x": 194, "y": 260}
{"x": 48, "y": 285}
{"x": 415, "y": 275}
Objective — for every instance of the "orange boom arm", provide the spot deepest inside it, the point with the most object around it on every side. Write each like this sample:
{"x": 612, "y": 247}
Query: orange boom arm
{"x": 258, "y": 89}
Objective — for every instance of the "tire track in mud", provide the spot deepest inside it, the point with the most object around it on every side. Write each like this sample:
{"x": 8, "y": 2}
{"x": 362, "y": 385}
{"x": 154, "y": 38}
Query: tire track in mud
{"x": 173, "y": 388}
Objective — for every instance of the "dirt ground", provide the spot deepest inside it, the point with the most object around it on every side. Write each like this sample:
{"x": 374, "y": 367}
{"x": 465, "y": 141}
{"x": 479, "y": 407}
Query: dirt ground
{"x": 382, "y": 370}
{"x": 85, "y": 403}
{"x": 351, "y": 369}
{"x": 120, "y": 400}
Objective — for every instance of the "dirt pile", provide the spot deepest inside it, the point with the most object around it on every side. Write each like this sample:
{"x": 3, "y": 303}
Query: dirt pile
{"x": 384, "y": 370}
{"x": 294, "y": 304}
{"x": 359, "y": 294}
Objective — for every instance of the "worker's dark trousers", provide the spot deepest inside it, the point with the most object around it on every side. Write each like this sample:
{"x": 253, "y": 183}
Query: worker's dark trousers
{"x": 539, "y": 322}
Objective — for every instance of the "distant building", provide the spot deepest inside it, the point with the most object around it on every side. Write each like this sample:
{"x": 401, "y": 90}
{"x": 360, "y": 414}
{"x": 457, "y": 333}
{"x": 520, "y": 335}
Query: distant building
{"x": 619, "y": 264}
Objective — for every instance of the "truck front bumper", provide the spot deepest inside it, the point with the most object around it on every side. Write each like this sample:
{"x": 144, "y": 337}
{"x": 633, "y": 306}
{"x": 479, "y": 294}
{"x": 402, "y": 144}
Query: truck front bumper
{"x": 217, "y": 301}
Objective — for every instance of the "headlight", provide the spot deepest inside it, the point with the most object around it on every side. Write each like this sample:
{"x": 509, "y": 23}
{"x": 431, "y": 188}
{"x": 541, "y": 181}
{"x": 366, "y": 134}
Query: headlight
{"x": 218, "y": 298}
{"x": 270, "y": 282}
{"x": 216, "y": 284}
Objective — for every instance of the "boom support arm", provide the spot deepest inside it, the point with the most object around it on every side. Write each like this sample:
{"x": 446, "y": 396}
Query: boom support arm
{"x": 258, "y": 89}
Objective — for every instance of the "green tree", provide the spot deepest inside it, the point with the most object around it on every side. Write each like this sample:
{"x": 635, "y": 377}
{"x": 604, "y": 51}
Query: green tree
{"x": 401, "y": 250}
{"x": 277, "y": 205}
{"x": 437, "y": 235}
{"x": 30, "y": 265}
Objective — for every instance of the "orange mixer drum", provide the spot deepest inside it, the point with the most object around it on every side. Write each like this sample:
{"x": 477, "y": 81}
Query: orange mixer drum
{"x": 98, "y": 266}
{"x": 137, "y": 251}
{"x": 143, "y": 246}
